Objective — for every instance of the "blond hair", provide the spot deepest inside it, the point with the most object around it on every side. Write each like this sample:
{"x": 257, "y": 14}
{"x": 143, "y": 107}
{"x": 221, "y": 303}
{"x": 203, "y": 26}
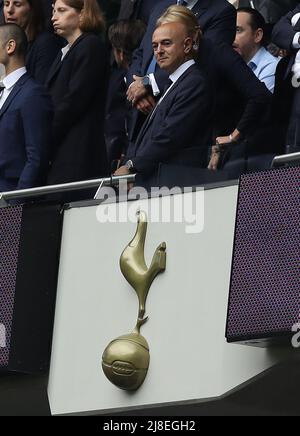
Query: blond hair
{"x": 181, "y": 14}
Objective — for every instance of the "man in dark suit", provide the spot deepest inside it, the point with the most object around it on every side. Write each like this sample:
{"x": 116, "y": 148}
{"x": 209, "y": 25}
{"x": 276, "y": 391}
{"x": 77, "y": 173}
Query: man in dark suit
{"x": 179, "y": 129}
{"x": 25, "y": 117}
{"x": 217, "y": 19}
{"x": 286, "y": 35}
{"x": 271, "y": 10}
{"x": 245, "y": 135}
{"x": 137, "y": 9}
{"x": 285, "y": 32}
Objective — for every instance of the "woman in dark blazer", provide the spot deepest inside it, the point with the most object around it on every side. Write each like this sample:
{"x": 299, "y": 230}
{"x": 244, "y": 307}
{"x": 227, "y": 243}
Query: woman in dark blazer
{"x": 77, "y": 82}
{"x": 43, "y": 46}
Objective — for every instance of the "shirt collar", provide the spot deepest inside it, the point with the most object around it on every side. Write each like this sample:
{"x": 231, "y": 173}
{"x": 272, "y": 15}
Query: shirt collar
{"x": 65, "y": 50}
{"x": 182, "y": 69}
{"x": 253, "y": 63}
{"x": 11, "y": 79}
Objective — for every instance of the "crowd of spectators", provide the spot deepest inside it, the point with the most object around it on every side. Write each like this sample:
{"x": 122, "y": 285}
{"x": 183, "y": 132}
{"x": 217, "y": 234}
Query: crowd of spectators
{"x": 92, "y": 88}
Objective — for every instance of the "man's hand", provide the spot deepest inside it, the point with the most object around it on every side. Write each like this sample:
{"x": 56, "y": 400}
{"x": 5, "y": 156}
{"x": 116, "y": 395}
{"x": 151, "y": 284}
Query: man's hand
{"x": 223, "y": 140}
{"x": 146, "y": 104}
{"x": 233, "y": 137}
{"x": 136, "y": 90}
{"x": 214, "y": 158}
{"x": 122, "y": 171}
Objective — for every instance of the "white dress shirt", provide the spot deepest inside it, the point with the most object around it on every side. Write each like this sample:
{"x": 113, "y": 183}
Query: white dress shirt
{"x": 9, "y": 83}
{"x": 177, "y": 74}
{"x": 174, "y": 77}
{"x": 64, "y": 51}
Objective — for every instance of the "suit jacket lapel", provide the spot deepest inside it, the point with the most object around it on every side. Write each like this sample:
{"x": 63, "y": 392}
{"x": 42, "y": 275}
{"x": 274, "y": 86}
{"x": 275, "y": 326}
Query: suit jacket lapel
{"x": 16, "y": 89}
{"x": 200, "y": 5}
{"x": 151, "y": 117}
{"x": 57, "y": 64}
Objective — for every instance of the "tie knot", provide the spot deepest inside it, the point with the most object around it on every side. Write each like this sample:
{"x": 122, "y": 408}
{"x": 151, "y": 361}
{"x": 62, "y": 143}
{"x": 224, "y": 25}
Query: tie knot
{"x": 252, "y": 66}
{"x": 2, "y": 87}
{"x": 182, "y": 2}
{"x": 168, "y": 84}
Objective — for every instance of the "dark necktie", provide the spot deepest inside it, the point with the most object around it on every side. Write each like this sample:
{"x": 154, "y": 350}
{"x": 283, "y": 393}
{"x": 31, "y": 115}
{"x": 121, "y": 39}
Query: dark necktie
{"x": 1, "y": 92}
{"x": 151, "y": 115}
{"x": 182, "y": 2}
{"x": 168, "y": 84}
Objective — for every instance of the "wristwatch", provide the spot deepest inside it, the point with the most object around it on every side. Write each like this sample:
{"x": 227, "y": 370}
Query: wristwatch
{"x": 129, "y": 166}
{"x": 146, "y": 81}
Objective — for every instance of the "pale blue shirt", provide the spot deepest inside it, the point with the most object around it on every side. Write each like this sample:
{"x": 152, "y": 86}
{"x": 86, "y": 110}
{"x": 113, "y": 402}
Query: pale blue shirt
{"x": 264, "y": 65}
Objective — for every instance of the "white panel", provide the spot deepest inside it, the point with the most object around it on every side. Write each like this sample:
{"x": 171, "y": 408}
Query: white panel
{"x": 187, "y": 308}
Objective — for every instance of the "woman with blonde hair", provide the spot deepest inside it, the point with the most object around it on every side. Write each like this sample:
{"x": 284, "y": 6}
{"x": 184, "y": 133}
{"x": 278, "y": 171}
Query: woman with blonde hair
{"x": 77, "y": 82}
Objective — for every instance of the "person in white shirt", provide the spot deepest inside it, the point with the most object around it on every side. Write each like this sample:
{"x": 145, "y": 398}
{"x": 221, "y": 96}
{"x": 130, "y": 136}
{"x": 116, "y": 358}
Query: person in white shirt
{"x": 179, "y": 129}
{"x": 25, "y": 117}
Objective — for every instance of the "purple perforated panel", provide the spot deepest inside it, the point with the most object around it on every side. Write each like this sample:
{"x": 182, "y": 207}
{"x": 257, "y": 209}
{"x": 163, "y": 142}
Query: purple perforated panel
{"x": 10, "y": 228}
{"x": 265, "y": 284}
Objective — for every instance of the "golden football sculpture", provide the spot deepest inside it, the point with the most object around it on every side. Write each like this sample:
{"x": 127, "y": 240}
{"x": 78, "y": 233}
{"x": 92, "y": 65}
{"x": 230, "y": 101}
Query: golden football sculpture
{"x": 126, "y": 359}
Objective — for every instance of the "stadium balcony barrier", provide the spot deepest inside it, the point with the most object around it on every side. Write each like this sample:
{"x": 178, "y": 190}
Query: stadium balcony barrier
{"x": 231, "y": 273}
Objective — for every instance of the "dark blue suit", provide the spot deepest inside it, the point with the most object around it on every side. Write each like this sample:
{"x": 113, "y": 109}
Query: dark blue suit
{"x": 137, "y": 9}
{"x": 25, "y": 135}
{"x": 41, "y": 54}
{"x": 283, "y": 36}
{"x": 217, "y": 19}
{"x": 272, "y": 10}
{"x": 180, "y": 129}
{"x": 284, "y": 32}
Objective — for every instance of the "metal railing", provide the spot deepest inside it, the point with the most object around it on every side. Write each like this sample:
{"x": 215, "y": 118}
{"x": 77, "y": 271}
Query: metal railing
{"x": 66, "y": 187}
{"x": 107, "y": 181}
{"x": 285, "y": 159}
